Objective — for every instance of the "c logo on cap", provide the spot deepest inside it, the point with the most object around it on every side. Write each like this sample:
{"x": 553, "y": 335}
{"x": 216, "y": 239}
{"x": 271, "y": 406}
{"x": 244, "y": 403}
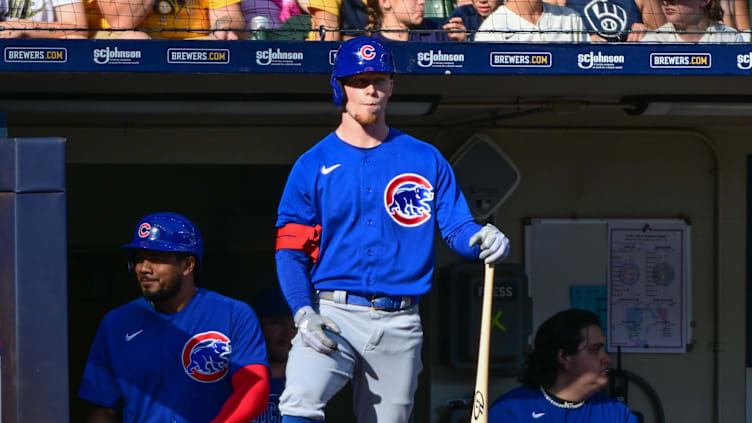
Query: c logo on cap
{"x": 367, "y": 52}
{"x": 144, "y": 229}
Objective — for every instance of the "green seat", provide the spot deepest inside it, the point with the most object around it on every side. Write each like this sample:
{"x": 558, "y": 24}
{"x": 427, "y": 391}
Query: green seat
{"x": 438, "y": 8}
{"x": 294, "y": 28}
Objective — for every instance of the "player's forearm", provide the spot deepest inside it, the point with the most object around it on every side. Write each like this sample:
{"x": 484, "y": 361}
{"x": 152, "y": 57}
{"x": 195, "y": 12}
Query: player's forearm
{"x": 294, "y": 278}
{"x": 250, "y": 396}
{"x": 459, "y": 240}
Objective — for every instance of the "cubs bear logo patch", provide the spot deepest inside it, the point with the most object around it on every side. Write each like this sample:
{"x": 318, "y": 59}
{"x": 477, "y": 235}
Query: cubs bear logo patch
{"x": 206, "y": 356}
{"x": 408, "y": 199}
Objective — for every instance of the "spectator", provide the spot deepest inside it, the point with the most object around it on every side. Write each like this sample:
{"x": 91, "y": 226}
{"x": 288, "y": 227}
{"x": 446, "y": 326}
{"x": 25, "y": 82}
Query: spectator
{"x": 402, "y": 20}
{"x": 471, "y": 16}
{"x": 736, "y": 15}
{"x": 617, "y": 20}
{"x": 564, "y": 376}
{"x": 341, "y": 19}
{"x": 42, "y": 19}
{"x": 532, "y": 21}
{"x": 694, "y": 21}
{"x": 279, "y": 329}
{"x": 171, "y": 19}
{"x": 178, "y": 353}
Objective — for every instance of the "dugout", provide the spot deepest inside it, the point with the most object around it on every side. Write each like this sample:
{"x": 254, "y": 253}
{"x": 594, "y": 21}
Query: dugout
{"x": 586, "y": 146}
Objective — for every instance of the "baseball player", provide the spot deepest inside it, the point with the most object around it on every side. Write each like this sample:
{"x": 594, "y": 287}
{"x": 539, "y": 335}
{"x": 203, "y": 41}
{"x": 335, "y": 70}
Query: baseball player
{"x": 564, "y": 376}
{"x": 355, "y": 248}
{"x": 180, "y": 353}
{"x": 278, "y": 329}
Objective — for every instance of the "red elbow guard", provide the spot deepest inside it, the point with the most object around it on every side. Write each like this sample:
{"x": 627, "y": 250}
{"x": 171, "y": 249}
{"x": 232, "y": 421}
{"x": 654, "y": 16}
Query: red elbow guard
{"x": 294, "y": 236}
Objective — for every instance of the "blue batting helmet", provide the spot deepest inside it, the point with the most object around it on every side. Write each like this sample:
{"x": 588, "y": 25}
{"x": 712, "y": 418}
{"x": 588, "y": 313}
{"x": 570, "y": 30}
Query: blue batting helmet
{"x": 359, "y": 55}
{"x": 169, "y": 232}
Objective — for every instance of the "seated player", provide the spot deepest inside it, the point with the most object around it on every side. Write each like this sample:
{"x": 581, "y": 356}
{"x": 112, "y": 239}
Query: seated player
{"x": 532, "y": 21}
{"x": 179, "y": 353}
{"x": 694, "y": 21}
{"x": 564, "y": 376}
{"x": 170, "y": 19}
{"x": 42, "y": 19}
{"x": 279, "y": 328}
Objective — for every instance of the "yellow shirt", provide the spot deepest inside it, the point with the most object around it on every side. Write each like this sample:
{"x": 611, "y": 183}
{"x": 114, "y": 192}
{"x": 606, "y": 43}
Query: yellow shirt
{"x": 190, "y": 18}
{"x": 331, "y": 6}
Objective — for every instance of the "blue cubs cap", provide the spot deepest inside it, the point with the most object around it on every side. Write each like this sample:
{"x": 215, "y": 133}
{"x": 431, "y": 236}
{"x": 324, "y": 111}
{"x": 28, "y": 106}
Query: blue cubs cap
{"x": 359, "y": 55}
{"x": 169, "y": 232}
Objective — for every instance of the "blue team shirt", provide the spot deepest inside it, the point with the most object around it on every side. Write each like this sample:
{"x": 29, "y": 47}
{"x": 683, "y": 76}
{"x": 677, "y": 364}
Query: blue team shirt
{"x": 172, "y": 368}
{"x": 611, "y": 19}
{"x": 526, "y": 404}
{"x": 470, "y": 18}
{"x": 378, "y": 209}
{"x": 272, "y": 414}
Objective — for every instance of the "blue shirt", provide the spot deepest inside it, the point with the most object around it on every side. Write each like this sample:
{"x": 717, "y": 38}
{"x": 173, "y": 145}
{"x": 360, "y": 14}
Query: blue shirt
{"x": 272, "y": 414}
{"x": 171, "y": 368}
{"x": 378, "y": 209}
{"x": 526, "y": 404}
{"x": 470, "y": 17}
{"x": 611, "y": 19}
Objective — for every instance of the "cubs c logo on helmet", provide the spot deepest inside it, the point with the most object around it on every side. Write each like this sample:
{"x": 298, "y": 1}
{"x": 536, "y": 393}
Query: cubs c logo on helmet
{"x": 144, "y": 229}
{"x": 407, "y": 199}
{"x": 206, "y": 356}
{"x": 367, "y": 52}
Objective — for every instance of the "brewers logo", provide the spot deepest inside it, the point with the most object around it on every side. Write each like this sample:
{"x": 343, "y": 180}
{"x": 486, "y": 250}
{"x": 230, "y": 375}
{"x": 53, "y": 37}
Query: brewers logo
{"x": 206, "y": 356}
{"x": 144, "y": 230}
{"x": 408, "y": 199}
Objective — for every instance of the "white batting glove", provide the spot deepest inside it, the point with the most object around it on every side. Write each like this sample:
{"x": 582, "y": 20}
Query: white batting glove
{"x": 311, "y": 326}
{"x": 494, "y": 245}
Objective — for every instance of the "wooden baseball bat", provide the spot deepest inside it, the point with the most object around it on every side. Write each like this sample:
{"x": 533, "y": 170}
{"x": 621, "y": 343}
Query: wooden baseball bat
{"x": 480, "y": 398}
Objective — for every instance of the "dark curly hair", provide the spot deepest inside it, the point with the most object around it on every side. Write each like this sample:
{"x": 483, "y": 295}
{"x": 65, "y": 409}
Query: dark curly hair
{"x": 375, "y": 16}
{"x": 563, "y": 330}
{"x": 714, "y": 11}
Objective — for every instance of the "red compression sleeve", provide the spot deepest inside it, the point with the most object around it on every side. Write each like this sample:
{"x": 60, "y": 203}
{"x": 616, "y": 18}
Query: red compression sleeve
{"x": 250, "y": 396}
{"x": 294, "y": 236}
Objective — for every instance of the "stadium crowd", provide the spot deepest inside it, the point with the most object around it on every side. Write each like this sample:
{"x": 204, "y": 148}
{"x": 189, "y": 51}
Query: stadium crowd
{"x": 724, "y": 21}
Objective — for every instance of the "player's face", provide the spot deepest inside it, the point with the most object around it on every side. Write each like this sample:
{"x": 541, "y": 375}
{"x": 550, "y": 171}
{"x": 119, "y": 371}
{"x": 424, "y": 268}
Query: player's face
{"x": 683, "y": 13}
{"x": 160, "y": 274}
{"x": 588, "y": 367}
{"x": 278, "y": 334}
{"x": 408, "y": 12}
{"x": 485, "y": 7}
{"x": 367, "y": 95}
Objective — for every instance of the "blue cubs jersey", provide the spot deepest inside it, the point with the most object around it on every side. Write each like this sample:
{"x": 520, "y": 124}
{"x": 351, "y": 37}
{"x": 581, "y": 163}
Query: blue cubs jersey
{"x": 526, "y": 404}
{"x": 611, "y": 19}
{"x": 272, "y": 414}
{"x": 172, "y": 368}
{"x": 378, "y": 209}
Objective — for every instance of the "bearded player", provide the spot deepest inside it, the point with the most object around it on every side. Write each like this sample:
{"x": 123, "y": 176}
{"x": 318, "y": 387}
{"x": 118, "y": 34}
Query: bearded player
{"x": 180, "y": 353}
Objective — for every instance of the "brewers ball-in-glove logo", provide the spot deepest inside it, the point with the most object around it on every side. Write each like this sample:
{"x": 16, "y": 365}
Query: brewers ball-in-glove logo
{"x": 206, "y": 356}
{"x": 408, "y": 198}
{"x": 609, "y": 19}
